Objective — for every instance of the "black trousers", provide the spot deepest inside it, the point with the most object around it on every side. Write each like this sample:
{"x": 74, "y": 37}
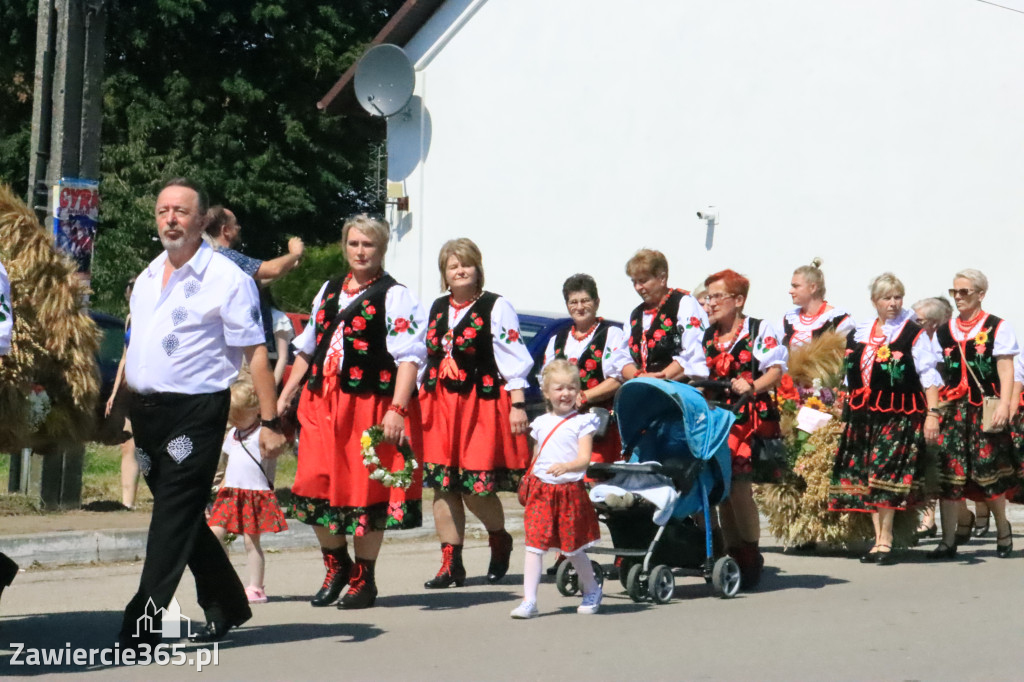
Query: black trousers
{"x": 170, "y": 427}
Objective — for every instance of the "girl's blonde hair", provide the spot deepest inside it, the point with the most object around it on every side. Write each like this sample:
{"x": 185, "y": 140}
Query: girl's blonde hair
{"x": 812, "y": 274}
{"x": 559, "y": 367}
{"x": 243, "y": 400}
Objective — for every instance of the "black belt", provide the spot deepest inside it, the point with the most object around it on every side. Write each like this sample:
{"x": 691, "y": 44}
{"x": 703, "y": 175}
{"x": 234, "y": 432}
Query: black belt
{"x": 167, "y": 399}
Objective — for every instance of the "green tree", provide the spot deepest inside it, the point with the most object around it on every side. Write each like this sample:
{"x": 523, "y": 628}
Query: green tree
{"x": 221, "y": 91}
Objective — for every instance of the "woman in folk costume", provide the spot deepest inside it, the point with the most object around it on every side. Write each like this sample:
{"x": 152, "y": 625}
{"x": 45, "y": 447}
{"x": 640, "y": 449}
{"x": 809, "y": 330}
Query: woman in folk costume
{"x": 363, "y": 348}
{"x": 892, "y": 409}
{"x": 590, "y": 344}
{"x": 664, "y": 333}
{"x": 813, "y": 315}
{"x": 746, "y": 352}
{"x": 474, "y": 414}
{"x": 978, "y": 350}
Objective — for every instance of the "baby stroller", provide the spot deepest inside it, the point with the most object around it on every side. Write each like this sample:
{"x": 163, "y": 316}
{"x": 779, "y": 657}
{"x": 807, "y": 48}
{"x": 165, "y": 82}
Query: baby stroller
{"x": 677, "y": 446}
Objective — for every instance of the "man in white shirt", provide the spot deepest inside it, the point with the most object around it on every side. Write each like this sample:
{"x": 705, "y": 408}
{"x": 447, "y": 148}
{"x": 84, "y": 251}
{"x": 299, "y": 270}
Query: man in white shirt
{"x": 194, "y": 316}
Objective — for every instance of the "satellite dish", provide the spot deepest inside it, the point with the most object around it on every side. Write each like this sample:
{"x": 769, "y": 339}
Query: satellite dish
{"x": 384, "y": 80}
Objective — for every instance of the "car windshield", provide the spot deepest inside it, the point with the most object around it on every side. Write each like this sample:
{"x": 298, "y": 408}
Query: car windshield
{"x": 528, "y": 330}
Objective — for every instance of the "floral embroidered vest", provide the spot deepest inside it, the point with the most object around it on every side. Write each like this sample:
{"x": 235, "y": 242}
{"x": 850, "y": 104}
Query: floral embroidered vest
{"x": 979, "y": 357}
{"x": 895, "y": 385}
{"x": 589, "y": 361}
{"x": 739, "y": 362}
{"x": 829, "y": 326}
{"x": 472, "y": 349}
{"x": 662, "y": 340}
{"x": 366, "y": 367}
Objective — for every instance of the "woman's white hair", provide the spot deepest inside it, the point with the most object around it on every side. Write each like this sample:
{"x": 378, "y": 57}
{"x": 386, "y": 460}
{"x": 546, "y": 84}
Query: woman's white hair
{"x": 977, "y": 278}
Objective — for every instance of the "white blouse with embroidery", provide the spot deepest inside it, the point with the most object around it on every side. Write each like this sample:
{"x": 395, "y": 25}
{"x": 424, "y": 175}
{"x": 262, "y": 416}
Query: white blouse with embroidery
{"x": 1004, "y": 341}
{"x": 406, "y": 328}
{"x": 690, "y": 354}
{"x": 804, "y": 326}
{"x": 926, "y": 351}
{"x": 767, "y": 353}
{"x": 510, "y": 353}
{"x": 574, "y": 348}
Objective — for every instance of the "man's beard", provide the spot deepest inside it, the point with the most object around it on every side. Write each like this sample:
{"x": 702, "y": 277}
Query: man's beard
{"x": 176, "y": 244}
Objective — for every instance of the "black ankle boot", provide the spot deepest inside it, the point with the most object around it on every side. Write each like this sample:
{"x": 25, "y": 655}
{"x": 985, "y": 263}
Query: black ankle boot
{"x": 339, "y": 567}
{"x": 362, "y": 588}
{"x": 501, "y": 551}
{"x": 452, "y": 571}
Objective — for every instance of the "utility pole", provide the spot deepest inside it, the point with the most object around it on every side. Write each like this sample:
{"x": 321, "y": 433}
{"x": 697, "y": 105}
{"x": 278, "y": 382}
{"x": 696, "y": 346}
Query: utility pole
{"x": 67, "y": 105}
{"x": 66, "y": 116}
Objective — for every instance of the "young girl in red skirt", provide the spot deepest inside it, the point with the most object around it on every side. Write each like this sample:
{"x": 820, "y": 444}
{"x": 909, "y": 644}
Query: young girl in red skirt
{"x": 246, "y": 503}
{"x": 558, "y": 514}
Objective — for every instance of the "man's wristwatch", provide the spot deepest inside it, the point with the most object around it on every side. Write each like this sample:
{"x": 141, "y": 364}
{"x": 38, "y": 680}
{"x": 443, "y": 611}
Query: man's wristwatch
{"x": 274, "y": 423}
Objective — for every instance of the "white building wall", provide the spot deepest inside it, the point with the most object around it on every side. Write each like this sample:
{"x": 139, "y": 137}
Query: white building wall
{"x": 562, "y": 135}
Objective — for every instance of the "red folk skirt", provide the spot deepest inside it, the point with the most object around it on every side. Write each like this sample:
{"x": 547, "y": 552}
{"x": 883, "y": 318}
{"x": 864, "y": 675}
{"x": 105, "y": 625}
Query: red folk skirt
{"x": 740, "y": 436}
{"x": 247, "y": 511}
{"x": 468, "y": 444}
{"x": 609, "y": 447}
{"x": 330, "y": 461}
{"x": 560, "y": 516}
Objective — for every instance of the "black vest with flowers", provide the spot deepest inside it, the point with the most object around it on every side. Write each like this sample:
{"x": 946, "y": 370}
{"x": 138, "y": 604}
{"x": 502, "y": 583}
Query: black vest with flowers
{"x": 829, "y": 326}
{"x": 979, "y": 356}
{"x": 664, "y": 338}
{"x": 472, "y": 349}
{"x": 367, "y": 366}
{"x": 739, "y": 362}
{"x": 589, "y": 361}
{"x": 895, "y": 385}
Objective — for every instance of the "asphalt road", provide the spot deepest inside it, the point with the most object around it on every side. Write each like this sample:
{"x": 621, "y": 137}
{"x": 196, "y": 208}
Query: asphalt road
{"x": 814, "y": 617}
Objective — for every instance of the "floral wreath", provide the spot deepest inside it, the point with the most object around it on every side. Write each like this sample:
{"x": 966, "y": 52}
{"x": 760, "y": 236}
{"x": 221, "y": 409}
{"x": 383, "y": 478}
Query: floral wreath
{"x": 371, "y": 438}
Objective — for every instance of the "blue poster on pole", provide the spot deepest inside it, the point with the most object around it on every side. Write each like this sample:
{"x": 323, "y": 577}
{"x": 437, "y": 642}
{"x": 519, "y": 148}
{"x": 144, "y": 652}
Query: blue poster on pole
{"x": 76, "y": 206}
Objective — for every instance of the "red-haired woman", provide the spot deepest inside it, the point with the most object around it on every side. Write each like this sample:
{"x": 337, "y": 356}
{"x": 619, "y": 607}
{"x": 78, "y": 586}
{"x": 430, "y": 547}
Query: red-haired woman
{"x": 748, "y": 353}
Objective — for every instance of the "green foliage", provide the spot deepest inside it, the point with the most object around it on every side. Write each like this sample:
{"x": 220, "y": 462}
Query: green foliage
{"x": 225, "y": 93}
{"x": 17, "y": 73}
{"x": 295, "y": 292}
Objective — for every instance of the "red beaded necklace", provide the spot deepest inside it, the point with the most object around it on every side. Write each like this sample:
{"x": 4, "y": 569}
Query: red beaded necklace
{"x": 346, "y": 284}
{"x": 651, "y": 311}
{"x": 733, "y": 335}
{"x": 460, "y": 306}
{"x": 966, "y": 327}
{"x": 807, "y": 319}
{"x": 580, "y": 336}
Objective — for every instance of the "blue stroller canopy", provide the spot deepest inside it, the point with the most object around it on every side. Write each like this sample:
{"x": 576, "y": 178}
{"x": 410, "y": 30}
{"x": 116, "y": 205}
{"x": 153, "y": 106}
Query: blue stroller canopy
{"x": 664, "y": 406}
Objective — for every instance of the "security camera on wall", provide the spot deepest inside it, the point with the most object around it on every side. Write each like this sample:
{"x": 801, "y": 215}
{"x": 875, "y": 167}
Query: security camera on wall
{"x": 709, "y": 214}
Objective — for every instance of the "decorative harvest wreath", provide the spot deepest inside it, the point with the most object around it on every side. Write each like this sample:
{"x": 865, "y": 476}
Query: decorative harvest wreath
{"x": 371, "y": 438}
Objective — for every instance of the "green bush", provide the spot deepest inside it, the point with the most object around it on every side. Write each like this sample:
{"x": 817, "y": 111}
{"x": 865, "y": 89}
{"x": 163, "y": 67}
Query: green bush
{"x": 294, "y": 293}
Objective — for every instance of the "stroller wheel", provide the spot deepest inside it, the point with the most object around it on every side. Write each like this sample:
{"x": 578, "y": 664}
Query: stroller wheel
{"x": 566, "y": 580}
{"x": 662, "y": 584}
{"x": 726, "y": 577}
{"x": 636, "y": 587}
{"x": 624, "y": 573}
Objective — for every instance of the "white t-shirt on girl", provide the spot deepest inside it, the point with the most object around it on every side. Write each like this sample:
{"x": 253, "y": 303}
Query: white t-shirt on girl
{"x": 564, "y": 444}
{"x": 242, "y": 472}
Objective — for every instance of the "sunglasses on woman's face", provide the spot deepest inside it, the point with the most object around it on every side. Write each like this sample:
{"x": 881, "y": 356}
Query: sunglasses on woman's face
{"x": 962, "y": 293}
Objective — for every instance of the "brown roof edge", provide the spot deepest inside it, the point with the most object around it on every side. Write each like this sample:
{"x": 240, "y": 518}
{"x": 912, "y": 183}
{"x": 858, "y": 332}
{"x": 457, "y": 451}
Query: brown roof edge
{"x": 409, "y": 19}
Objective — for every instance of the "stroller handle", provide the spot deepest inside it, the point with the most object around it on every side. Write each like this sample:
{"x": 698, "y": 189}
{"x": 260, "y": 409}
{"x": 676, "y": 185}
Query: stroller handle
{"x": 723, "y": 386}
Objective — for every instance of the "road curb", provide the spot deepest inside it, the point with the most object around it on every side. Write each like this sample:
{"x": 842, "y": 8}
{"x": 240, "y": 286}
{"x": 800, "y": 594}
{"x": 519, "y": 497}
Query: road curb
{"x": 103, "y": 546}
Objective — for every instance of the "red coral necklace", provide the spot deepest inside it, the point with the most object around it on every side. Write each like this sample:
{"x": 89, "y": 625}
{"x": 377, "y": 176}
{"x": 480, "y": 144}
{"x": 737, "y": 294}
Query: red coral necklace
{"x": 808, "y": 319}
{"x": 347, "y": 282}
{"x": 656, "y": 308}
{"x": 580, "y": 336}
{"x": 966, "y": 327}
